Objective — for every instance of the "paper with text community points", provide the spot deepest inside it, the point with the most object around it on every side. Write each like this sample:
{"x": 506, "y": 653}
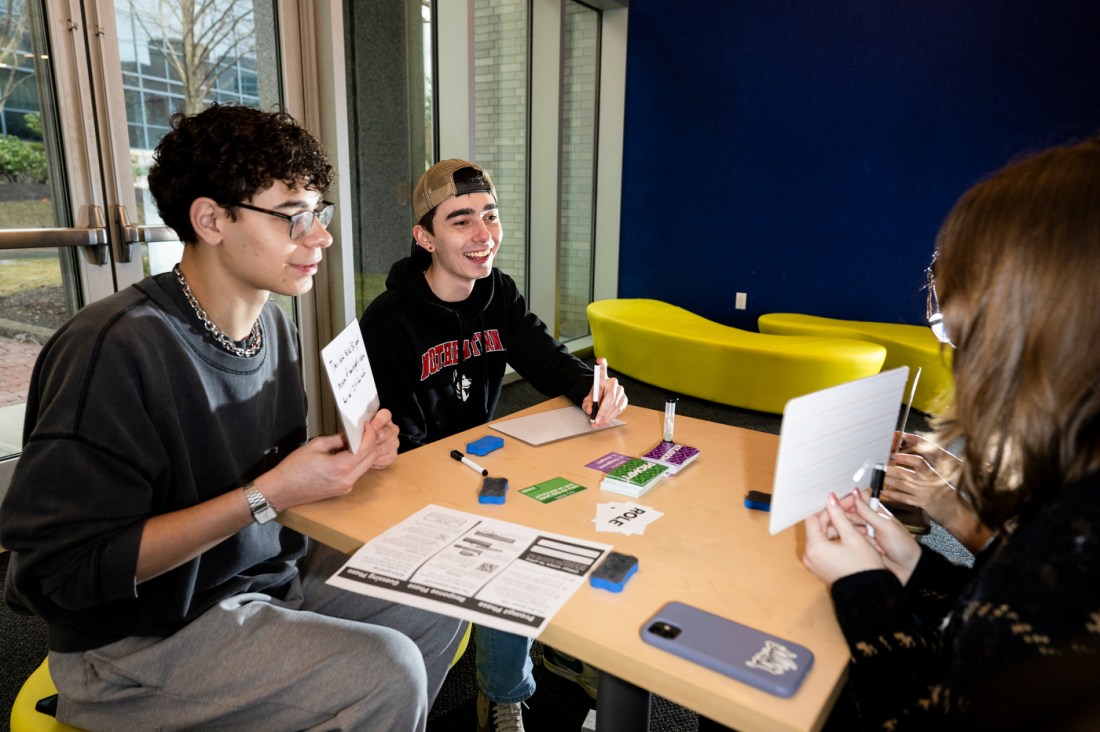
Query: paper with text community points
{"x": 494, "y": 573}
{"x": 825, "y": 439}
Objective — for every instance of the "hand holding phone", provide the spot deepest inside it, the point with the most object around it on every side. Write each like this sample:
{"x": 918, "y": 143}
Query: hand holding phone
{"x": 914, "y": 518}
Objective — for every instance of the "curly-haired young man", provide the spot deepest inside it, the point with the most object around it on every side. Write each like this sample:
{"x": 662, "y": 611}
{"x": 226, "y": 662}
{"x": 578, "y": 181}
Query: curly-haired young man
{"x": 165, "y": 427}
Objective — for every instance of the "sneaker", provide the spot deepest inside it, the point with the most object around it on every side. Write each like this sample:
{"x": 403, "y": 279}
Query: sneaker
{"x": 493, "y": 717}
{"x": 571, "y": 668}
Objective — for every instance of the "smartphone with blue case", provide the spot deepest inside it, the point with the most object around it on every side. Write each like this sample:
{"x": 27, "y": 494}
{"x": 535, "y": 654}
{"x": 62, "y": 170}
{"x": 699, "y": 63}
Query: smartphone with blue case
{"x": 759, "y": 659}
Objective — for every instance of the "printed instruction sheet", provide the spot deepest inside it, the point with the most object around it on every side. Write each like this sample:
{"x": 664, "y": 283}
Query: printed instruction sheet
{"x": 494, "y": 573}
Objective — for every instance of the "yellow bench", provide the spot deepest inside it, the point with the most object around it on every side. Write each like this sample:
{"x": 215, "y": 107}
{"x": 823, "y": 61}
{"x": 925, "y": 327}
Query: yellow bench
{"x": 906, "y": 345}
{"x": 674, "y": 349}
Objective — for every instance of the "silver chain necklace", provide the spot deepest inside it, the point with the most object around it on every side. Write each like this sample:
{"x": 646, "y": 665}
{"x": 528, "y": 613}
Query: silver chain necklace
{"x": 253, "y": 343}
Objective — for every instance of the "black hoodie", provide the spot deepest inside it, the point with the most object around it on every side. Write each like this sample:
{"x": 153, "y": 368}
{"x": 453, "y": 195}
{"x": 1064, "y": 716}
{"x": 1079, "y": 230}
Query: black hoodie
{"x": 439, "y": 365}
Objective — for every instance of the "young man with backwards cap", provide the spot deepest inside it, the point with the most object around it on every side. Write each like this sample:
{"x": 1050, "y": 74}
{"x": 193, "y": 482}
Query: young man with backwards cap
{"x": 439, "y": 339}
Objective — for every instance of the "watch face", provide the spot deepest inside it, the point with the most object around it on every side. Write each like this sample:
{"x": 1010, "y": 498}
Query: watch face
{"x": 262, "y": 510}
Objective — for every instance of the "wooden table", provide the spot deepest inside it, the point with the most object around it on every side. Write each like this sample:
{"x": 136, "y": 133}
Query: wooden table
{"x": 707, "y": 550}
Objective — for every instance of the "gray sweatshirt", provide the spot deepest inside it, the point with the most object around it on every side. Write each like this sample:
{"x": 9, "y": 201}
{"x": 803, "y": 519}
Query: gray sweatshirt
{"x": 134, "y": 411}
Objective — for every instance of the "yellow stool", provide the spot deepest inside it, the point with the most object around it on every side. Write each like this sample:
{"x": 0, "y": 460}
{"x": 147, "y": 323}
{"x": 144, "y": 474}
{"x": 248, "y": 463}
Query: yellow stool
{"x": 24, "y": 715}
{"x": 462, "y": 644}
{"x": 906, "y": 345}
{"x": 673, "y": 348}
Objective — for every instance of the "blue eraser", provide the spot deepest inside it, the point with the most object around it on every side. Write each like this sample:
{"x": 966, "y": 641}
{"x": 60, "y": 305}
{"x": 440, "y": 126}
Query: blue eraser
{"x": 614, "y": 572}
{"x": 484, "y": 445}
{"x": 758, "y": 501}
{"x": 493, "y": 490}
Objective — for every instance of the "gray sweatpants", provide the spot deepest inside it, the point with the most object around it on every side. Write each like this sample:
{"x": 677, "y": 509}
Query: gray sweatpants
{"x": 323, "y": 659}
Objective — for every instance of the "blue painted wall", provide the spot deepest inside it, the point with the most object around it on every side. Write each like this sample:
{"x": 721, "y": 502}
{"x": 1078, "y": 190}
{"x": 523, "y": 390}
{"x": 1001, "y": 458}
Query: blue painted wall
{"x": 807, "y": 152}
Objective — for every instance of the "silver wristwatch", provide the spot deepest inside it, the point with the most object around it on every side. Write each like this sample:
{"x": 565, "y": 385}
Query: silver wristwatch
{"x": 263, "y": 510}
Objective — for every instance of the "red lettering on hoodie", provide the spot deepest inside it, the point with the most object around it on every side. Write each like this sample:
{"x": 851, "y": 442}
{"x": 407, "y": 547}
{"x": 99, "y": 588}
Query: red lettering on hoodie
{"x": 436, "y": 357}
{"x": 445, "y": 354}
{"x": 492, "y": 341}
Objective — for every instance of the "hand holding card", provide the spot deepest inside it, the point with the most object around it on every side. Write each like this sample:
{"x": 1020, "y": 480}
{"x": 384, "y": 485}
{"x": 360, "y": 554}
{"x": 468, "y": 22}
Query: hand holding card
{"x": 349, "y": 372}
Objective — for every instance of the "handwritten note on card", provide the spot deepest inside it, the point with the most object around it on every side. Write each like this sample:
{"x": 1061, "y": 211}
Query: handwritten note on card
{"x": 352, "y": 381}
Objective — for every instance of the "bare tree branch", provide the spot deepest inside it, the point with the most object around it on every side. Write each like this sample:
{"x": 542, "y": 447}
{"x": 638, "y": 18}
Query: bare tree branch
{"x": 13, "y": 29}
{"x": 201, "y": 41}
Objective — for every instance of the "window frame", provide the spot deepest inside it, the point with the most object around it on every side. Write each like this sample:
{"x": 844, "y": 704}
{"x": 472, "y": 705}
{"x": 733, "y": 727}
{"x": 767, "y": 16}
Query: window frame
{"x": 455, "y": 125}
{"x": 320, "y": 66}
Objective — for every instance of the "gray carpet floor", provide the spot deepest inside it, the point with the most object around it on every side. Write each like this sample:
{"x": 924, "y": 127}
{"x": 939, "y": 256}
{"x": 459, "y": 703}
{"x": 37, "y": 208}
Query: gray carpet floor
{"x": 558, "y": 704}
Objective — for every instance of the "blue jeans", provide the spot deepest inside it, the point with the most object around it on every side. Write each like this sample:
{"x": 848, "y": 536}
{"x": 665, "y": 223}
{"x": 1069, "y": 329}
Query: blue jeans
{"x": 504, "y": 665}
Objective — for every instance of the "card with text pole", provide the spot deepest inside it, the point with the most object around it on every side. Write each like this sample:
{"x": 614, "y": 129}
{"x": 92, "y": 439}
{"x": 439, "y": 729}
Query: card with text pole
{"x": 352, "y": 380}
{"x": 825, "y": 439}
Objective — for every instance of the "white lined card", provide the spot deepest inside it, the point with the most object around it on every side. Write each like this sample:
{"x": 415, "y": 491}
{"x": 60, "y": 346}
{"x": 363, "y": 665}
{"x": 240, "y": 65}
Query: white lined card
{"x": 826, "y": 437}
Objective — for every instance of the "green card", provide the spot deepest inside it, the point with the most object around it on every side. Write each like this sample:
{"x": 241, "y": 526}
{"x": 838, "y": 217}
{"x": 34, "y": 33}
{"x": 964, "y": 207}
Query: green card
{"x": 551, "y": 490}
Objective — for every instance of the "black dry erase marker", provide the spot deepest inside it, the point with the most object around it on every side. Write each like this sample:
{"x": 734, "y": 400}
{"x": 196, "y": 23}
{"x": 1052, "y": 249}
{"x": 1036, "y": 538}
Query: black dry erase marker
{"x": 467, "y": 461}
{"x": 878, "y": 475}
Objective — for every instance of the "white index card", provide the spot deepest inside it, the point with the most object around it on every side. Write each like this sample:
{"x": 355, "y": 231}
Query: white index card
{"x": 352, "y": 380}
{"x": 826, "y": 437}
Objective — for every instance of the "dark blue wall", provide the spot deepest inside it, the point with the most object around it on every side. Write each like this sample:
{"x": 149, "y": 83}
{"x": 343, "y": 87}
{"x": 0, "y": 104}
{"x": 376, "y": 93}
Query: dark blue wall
{"x": 807, "y": 152}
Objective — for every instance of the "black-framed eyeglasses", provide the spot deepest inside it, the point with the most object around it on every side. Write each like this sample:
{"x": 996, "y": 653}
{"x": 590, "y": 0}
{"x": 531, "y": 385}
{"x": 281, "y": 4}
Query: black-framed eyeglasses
{"x": 300, "y": 223}
{"x": 932, "y": 310}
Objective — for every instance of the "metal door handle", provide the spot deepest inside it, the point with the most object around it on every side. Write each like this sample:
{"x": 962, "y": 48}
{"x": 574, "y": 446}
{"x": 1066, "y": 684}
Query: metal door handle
{"x": 92, "y": 238}
{"x": 134, "y": 233}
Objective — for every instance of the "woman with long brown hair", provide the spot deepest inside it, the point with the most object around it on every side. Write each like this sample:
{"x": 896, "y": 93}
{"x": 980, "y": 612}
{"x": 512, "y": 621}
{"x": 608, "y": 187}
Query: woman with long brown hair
{"x": 1014, "y": 641}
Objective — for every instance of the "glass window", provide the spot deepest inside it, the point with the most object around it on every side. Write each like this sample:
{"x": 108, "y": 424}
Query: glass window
{"x": 578, "y": 176}
{"x": 18, "y": 95}
{"x": 483, "y": 111}
{"x": 501, "y": 65}
{"x": 184, "y": 56}
{"x": 37, "y": 286}
{"x": 391, "y": 107}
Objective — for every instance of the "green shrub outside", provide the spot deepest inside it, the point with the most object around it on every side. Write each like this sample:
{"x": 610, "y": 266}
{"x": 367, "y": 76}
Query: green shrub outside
{"x": 22, "y": 161}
